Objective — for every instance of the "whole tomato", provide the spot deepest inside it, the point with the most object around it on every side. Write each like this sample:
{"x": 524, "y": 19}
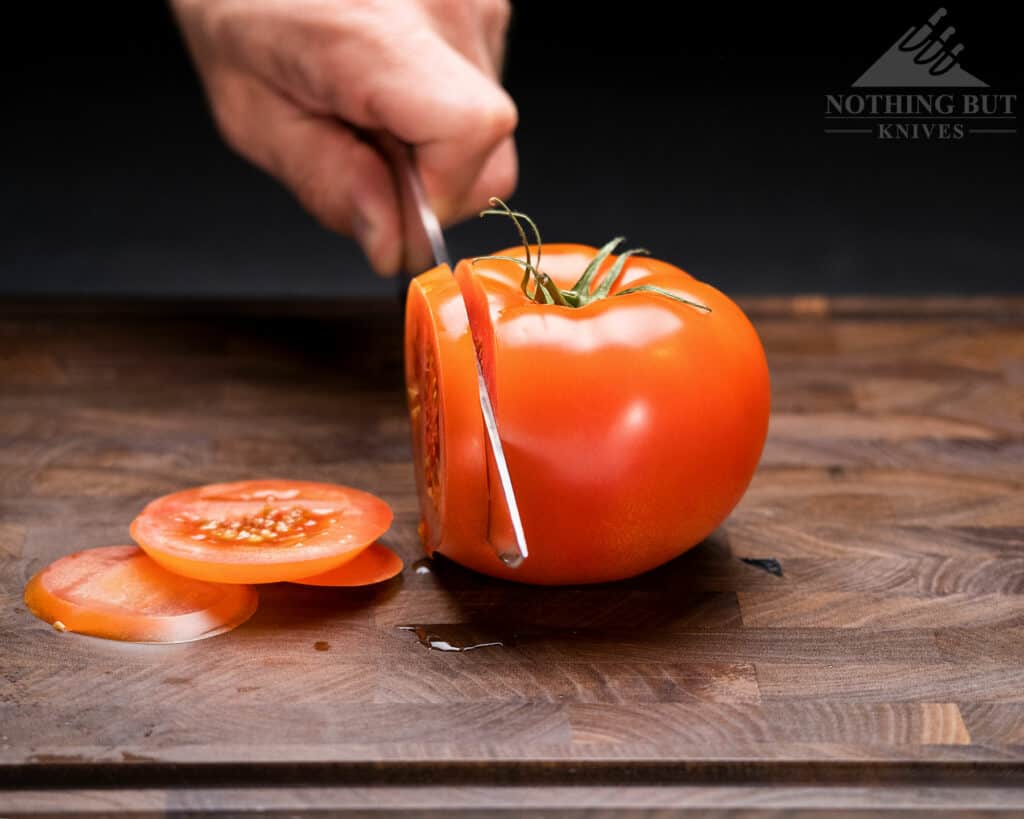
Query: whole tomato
{"x": 632, "y": 402}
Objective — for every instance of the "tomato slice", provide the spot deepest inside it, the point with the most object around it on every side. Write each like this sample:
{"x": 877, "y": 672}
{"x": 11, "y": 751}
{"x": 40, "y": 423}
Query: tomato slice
{"x": 118, "y": 593}
{"x": 262, "y": 531}
{"x": 375, "y": 564}
{"x": 444, "y": 414}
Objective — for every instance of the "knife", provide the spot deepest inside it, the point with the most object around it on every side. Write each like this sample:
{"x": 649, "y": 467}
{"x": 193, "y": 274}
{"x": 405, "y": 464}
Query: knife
{"x": 414, "y": 198}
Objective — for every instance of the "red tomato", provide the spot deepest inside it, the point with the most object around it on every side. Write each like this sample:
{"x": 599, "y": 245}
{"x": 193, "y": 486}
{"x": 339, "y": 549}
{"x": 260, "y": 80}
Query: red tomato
{"x": 260, "y": 531}
{"x": 118, "y": 593}
{"x": 632, "y": 424}
{"x": 374, "y": 564}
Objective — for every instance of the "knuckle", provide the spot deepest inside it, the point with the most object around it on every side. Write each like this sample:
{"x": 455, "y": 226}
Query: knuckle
{"x": 229, "y": 122}
{"x": 498, "y": 119}
{"x": 329, "y": 217}
{"x": 502, "y": 178}
{"x": 496, "y": 13}
{"x": 505, "y": 180}
{"x": 327, "y": 186}
{"x": 319, "y": 198}
{"x": 483, "y": 125}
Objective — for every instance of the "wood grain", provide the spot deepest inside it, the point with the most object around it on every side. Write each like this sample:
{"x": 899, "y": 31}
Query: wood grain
{"x": 734, "y": 801}
{"x": 889, "y": 653}
{"x": 668, "y": 725}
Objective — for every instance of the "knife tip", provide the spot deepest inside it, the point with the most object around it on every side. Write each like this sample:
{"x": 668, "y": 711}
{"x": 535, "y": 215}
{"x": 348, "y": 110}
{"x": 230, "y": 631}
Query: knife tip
{"x": 512, "y": 559}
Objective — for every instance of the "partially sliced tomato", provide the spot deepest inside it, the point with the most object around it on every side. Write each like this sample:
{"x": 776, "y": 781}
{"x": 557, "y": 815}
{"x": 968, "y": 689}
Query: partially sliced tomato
{"x": 375, "y": 564}
{"x": 118, "y": 593}
{"x": 632, "y": 425}
{"x": 261, "y": 531}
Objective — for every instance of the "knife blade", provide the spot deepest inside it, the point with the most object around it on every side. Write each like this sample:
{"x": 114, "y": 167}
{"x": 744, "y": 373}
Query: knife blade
{"x": 403, "y": 159}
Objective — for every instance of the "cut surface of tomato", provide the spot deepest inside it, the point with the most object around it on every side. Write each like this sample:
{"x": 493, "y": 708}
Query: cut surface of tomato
{"x": 375, "y": 564}
{"x": 260, "y": 531}
{"x": 119, "y": 593}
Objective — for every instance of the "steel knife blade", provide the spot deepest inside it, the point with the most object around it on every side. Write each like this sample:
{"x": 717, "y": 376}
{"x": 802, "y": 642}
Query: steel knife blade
{"x": 403, "y": 159}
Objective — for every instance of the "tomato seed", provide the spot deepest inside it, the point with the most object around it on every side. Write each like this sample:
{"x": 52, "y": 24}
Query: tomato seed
{"x": 274, "y": 524}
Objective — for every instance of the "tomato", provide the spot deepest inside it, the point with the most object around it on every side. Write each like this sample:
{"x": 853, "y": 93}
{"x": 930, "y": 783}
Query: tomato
{"x": 260, "y": 531}
{"x": 119, "y": 593}
{"x": 632, "y": 423}
{"x": 375, "y": 564}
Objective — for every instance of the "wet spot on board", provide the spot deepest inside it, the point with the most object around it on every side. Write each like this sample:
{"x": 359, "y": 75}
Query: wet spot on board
{"x": 766, "y": 564}
{"x": 457, "y": 637}
{"x": 322, "y": 645}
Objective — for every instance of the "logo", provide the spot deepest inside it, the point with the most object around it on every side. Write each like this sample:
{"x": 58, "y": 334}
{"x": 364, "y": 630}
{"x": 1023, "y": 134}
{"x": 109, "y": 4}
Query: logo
{"x": 926, "y": 57}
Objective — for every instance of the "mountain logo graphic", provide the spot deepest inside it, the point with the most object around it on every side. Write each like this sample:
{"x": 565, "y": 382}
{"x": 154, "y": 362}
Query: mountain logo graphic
{"x": 923, "y": 57}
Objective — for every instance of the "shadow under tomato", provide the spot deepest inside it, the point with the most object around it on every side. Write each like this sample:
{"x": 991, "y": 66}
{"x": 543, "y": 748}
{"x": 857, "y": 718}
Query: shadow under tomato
{"x": 696, "y": 591}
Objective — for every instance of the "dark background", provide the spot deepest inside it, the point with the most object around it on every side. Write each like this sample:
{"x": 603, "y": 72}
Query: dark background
{"x": 695, "y": 130}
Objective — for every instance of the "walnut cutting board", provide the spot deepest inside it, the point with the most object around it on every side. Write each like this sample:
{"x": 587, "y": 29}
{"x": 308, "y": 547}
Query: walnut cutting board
{"x": 891, "y": 495}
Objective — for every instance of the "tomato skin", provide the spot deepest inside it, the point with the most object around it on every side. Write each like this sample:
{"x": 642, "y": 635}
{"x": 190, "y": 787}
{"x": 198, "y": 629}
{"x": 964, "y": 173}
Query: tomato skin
{"x": 632, "y": 425}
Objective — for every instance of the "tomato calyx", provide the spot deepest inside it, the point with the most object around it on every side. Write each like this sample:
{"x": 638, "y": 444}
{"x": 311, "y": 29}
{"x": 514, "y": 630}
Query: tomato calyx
{"x": 583, "y": 292}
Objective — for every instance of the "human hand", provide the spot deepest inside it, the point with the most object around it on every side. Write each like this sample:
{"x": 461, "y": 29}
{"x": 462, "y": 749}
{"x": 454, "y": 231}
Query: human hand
{"x": 295, "y": 86}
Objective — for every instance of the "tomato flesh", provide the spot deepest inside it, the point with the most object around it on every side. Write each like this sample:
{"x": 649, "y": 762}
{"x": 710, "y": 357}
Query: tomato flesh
{"x": 260, "y": 531}
{"x": 118, "y": 593}
{"x": 375, "y": 564}
{"x": 280, "y": 526}
{"x": 446, "y": 427}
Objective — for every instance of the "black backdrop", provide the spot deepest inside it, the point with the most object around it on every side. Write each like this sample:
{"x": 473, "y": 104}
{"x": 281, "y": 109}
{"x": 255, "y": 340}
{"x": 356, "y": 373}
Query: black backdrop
{"x": 695, "y": 130}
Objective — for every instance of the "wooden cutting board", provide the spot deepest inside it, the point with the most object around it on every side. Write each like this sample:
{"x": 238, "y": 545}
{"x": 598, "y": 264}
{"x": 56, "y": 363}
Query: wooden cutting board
{"x": 857, "y": 623}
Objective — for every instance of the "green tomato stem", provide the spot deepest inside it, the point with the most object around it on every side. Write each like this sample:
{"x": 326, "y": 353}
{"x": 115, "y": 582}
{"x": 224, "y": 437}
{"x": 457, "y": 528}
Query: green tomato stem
{"x": 545, "y": 291}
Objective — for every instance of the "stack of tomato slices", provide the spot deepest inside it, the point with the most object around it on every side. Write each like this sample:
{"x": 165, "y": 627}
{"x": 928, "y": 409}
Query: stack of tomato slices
{"x": 201, "y": 547}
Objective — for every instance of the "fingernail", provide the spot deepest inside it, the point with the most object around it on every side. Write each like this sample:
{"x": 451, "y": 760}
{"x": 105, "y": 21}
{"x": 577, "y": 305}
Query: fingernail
{"x": 363, "y": 230}
{"x": 367, "y": 233}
